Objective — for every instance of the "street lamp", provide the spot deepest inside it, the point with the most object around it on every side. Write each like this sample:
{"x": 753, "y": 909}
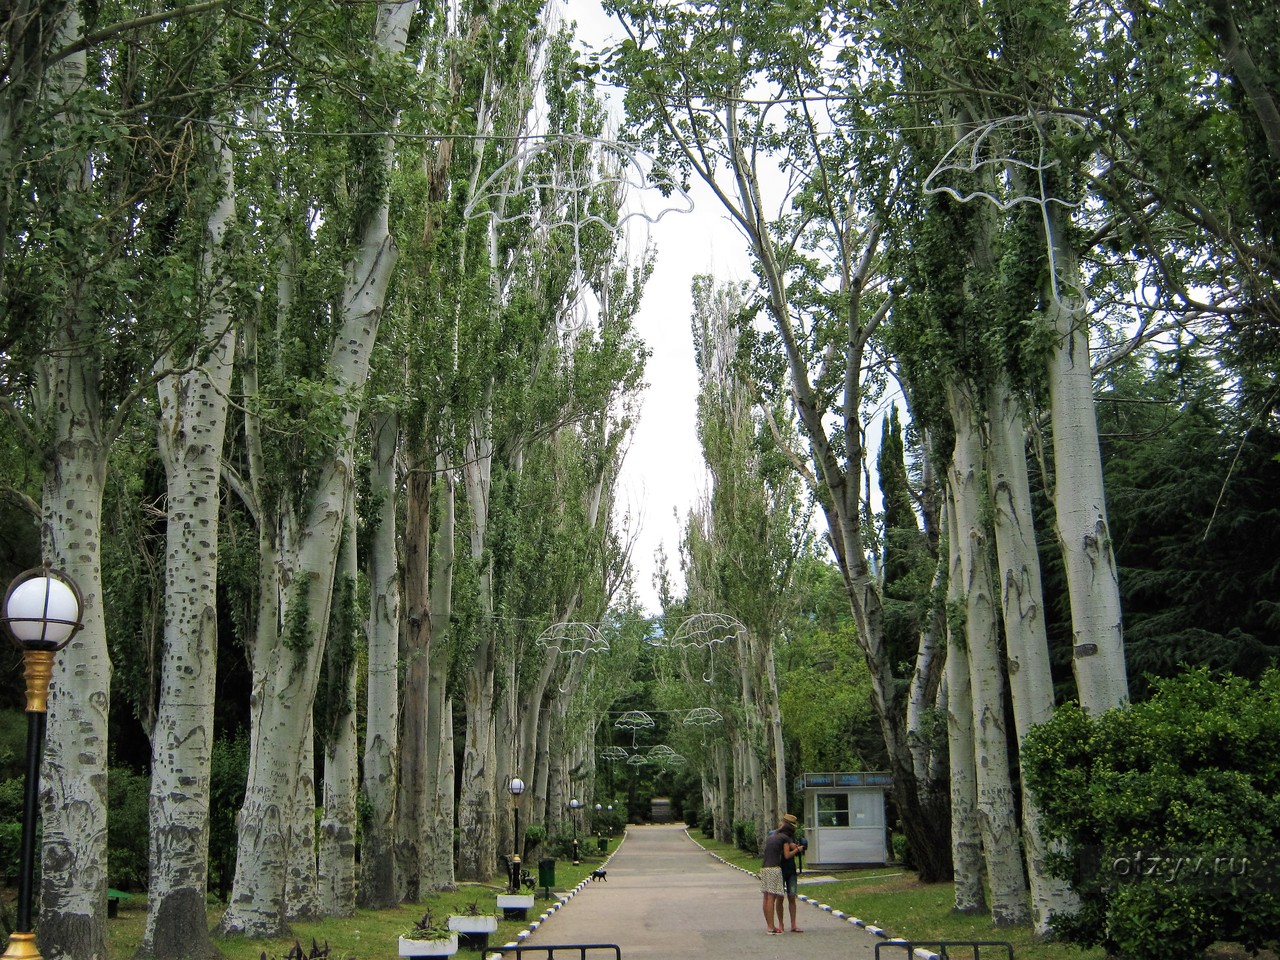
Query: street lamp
{"x": 516, "y": 786}
{"x": 574, "y": 806}
{"x": 42, "y": 613}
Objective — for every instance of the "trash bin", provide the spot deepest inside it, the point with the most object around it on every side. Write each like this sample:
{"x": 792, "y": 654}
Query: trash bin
{"x": 602, "y": 844}
{"x": 547, "y": 872}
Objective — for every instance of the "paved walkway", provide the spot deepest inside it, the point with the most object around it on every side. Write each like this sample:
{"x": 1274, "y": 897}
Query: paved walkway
{"x": 667, "y": 898}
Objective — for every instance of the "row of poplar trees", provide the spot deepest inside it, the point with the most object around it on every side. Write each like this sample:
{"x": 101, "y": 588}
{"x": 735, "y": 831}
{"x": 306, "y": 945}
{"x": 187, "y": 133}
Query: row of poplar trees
{"x": 975, "y": 204}
{"x": 327, "y": 294}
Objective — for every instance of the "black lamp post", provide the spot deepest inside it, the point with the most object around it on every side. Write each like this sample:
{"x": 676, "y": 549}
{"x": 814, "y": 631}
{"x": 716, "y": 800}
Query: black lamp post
{"x": 516, "y": 786}
{"x": 574, "y": 806}
{"x": 42, "y": 613}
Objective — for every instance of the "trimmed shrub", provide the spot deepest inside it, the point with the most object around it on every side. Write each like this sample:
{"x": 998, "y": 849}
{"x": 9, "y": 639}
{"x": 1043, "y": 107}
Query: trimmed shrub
{"x": 744, "y": 836}
{"x": 1168, "y": 813}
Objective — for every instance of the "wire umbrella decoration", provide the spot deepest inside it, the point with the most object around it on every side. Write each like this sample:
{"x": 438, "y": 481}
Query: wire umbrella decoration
{"x": 702, "y": 717}
{"x": 984, "y": 164}
{"x": 563, "y": 177}
{"x": 614, "y": 753}
{"x": 572, "y": 637}
{"x": 634, "y": 720}
{"x": 701, "y": 631}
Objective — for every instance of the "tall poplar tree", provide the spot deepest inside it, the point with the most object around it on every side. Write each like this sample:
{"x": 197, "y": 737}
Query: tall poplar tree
{"x": 276, "y": 867}
{"x": 705, "y": 82}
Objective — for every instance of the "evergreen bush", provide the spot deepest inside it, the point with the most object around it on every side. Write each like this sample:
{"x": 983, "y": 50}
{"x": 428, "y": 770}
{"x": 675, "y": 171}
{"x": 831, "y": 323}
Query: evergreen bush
{"x": 560, "y": 845}
{"x": 1168, "y": 813}
{"x": 128, "y": 799}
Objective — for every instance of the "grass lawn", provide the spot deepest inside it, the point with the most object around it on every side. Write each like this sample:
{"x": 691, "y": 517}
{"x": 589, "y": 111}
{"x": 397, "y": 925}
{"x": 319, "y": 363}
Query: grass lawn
{"x": 369, "y": 934}
{"x": 894, "y": 900}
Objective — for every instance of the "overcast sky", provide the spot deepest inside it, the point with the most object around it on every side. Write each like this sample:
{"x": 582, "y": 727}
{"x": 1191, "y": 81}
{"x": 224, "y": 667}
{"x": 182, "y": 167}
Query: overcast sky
{"x": 663, "y": 474}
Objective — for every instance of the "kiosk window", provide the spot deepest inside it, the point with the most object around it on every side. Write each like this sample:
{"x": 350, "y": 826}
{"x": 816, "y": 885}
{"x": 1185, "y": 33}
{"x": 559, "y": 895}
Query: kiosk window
{"x": 833, "y": 810}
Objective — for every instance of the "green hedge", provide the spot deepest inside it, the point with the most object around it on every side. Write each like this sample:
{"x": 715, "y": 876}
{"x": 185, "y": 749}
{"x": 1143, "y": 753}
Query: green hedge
{"x": 1168, "y": 813}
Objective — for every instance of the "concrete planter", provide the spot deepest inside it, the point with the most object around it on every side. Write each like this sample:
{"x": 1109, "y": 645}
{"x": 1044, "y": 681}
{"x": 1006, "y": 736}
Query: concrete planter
{"x": 445, "y": 947}
{"x": 515, "y": 906}
{"x": 473, "y": 931}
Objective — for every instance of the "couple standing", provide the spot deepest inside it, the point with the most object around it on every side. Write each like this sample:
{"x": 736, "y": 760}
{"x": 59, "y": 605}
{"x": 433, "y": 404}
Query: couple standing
{"x": 778, "y": 874}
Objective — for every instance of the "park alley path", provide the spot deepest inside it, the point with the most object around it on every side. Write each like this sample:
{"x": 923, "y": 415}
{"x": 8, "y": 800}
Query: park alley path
{"x": 666, "y": 898}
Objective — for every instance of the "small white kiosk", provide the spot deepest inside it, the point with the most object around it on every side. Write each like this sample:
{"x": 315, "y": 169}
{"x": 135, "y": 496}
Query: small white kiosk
{"x": 844, "y": 818}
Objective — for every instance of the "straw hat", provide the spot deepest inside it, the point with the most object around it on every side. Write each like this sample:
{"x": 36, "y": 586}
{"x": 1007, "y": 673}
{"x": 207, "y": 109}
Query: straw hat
{"x": 790, "y": 818}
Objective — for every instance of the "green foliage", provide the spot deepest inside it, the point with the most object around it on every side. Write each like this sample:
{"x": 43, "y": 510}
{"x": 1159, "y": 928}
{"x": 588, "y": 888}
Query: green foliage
{"x": 534, "y": 834}
{"x": 296, "y": 630}
{"x": 902, "y": 850}
{"x": 11, "y": 802}
{"x": 333, "y": 701}
{"x": 13, "y": 744}
{"x": 1198, "y": 564}
{"x": 127, "y": 839}
{"x": 609, "y": 823}
{"x": 1169, "y": 815}
{"x": 228, "y": 774}
{"x": 133, "y": 548}
{"x": 824, "y": 688}
{"x": 560, "y": 844}
{"x": 428, "y": 927}
{"x": 744, "y": 836}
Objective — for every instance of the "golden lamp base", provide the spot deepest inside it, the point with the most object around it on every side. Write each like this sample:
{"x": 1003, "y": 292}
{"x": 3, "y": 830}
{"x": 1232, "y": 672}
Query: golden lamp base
{"x": 22, "y": 946}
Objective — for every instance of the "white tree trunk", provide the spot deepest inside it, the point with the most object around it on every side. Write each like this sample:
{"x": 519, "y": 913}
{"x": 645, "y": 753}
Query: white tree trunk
{"x": 478, "y": 852}
{"x": 1030, "y": 680}
{"x": 966, "y": 833}
{"x": 436, "y": 867}
{"x": 1006, "y": 878}
{"x": 1079, "y": 497}
{"x": 923, "y": 694}
{"x": 506, "y": 742}
{"x": 382, "y": 735}
{"x": 437, "y": 857}
{"x": 302, "y": 881}
{"x": 773, "y": 726}
{"x": 273, "y": 850}
{"x": 193, "y": 417}
{"x": 73, "y": 781}
{"x": 336, "y": 848}
{"x": 414, "y": 784}
{"x": 413, "y": 787}
{"x": 724, "y": 792}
